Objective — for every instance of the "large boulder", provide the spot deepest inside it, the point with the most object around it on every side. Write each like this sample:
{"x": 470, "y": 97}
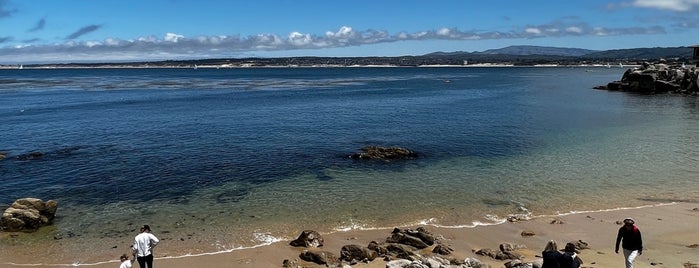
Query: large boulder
{"x": 419, "y": 238}
{"x": 28, "y": 214}
{"x": 356, "y": 253}
{"x": 308, "y": 238}
{"x": 319, "y": 257}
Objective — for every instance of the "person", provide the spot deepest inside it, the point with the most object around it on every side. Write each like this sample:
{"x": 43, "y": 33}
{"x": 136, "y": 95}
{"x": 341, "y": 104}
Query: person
{"x": 143, "y": 247}
{"x": 125, "y": 261}
{"x": 631, "y": 241}
{"x": 551, "y": 255}
{"x": 570, "y": 258}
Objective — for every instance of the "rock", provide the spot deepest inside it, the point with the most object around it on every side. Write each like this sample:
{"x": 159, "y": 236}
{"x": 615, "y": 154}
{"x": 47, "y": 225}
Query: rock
{"x": 423, "y": 234}
{"x": 693, "y": 246}
{"x": 3, "y": 155}
{"x": 505, "y": 253}
{"x": 308, "y": 238}
{"x": 319, "y": 257}
{"x": 474, "y": 263}
{"x": 406, "y": 238}
{"x": 518, "y": 264}
{"x": 384, "y": 153}
{"x": 352, "y": 253}
{"x": 580, "y": 245}
{"x": 30, "y": 156}
{"x": 403, "y": 251}
{"x": 527, "y": 233}
{"x": 291, "y": 264}
{"x": 398, "y": 263}
{"x": 690, "y": 265}
{"x": 656, "y": 79}
{"x": 380, "y": 250}
{"x": 556, "y": 221}
{"x": 442, "y": 250}
{"x": 28, "y": 214}
{"x": 510, "y": 247}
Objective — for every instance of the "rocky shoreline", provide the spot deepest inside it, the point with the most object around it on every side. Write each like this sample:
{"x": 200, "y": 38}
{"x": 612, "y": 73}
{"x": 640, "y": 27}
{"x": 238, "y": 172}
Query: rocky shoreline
{"x": 658, "y": 78}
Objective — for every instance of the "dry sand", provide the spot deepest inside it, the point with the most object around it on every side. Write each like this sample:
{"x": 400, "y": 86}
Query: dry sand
{"x": 668, "y": 231}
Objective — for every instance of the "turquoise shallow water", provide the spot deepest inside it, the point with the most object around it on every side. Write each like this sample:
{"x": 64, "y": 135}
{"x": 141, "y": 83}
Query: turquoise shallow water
{"x": 221, "y": 159}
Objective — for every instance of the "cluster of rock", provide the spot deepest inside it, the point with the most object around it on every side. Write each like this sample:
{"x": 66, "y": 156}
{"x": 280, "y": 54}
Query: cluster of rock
{"x": 658, "y": 78}
{"x": 384, "y": 153}
{"x": 404, "y": 248}
{"x": 28, "y": 214}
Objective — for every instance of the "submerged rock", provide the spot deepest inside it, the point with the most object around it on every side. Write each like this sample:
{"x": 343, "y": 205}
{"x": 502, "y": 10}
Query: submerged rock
{"x": 384, "y": 153}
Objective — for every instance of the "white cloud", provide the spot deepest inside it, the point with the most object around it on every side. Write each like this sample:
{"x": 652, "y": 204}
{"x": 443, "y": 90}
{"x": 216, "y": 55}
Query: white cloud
{"x": 444, "y": 32}
{"x": 673, "y": 5}
{"x": 176, "y": 46}
{"x": 171, "y": 37}
{"x": 574, "y": 30}
{"x": 532, "y": 30}
{"x": 299, "y": 39}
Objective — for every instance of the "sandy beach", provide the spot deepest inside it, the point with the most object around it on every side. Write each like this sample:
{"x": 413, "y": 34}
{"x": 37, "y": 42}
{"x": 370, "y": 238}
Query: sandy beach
{"x": 668, "y": 230}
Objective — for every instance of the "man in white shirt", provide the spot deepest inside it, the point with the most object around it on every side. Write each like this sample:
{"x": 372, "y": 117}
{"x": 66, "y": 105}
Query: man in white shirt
{"x": 143, "y": 247}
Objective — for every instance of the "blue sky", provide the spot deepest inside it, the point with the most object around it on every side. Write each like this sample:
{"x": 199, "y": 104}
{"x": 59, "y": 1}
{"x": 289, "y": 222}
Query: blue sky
{"x": 128, "y": 30}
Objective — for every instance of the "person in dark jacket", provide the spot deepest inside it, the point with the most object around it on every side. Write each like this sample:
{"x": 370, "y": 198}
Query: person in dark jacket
{"x": 551, "y": 255}
{"x": 570, "y": 257}
{"x": 631, "y": 241}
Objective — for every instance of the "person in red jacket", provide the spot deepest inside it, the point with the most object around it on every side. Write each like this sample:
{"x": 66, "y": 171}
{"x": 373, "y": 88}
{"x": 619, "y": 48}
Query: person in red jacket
{"x": 632, "y": 243}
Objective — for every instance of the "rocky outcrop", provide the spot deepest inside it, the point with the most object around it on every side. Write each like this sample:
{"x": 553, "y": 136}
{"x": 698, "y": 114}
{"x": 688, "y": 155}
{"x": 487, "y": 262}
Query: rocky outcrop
{"x": 384, "y": 153}
{"x": 404, "y": 248}
{"x": 658, "y": 78}
{"x": 28, "y": 214}
{"x": 308, "y": 238}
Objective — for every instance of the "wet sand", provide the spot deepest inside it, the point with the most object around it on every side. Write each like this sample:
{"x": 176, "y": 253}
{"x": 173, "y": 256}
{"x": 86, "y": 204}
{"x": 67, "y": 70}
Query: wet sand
{"x": 668, "y": 232}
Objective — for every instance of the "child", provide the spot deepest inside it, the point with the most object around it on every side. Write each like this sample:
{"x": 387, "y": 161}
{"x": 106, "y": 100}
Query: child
{"x": 125, "y": 261}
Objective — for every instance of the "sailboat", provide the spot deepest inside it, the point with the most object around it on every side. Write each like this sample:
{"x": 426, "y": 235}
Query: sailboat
{"x": 20, "y": 67}
{"x": 684, "y": 66}
{"x": 621, "y": 65}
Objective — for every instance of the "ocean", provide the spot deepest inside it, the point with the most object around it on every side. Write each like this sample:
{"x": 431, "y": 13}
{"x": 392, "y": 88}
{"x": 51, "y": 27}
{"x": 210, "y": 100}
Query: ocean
{"x": 222, "y": 159}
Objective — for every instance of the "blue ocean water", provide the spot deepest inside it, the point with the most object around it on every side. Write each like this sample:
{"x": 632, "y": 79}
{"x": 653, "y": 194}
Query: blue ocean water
{"x": 217, "y": 159}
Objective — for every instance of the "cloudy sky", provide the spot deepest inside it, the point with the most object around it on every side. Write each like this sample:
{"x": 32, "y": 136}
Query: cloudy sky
{"x": 126, "y": 30}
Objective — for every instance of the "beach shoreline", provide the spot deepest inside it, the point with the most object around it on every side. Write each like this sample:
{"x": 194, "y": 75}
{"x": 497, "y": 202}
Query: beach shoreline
{"x": 669, "y": 231}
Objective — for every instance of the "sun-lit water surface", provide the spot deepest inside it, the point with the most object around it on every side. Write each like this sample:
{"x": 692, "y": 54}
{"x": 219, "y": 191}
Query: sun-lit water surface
{"x": 216, "y": 160}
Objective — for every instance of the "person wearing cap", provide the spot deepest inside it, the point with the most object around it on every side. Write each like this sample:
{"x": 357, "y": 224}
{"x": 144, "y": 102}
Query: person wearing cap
{"x": 143, "y": 247}
{"x": 631, "y": 241}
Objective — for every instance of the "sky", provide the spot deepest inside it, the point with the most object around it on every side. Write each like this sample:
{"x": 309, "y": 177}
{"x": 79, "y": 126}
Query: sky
{"x": 62, "y": 31}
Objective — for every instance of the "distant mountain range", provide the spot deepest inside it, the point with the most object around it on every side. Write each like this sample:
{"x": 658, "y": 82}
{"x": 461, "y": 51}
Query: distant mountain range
{"x": 543, "y": 51}
{"x": 538, "y": 50}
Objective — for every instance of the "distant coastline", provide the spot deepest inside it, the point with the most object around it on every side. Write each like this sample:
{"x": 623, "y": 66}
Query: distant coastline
{"x": 224, "y": 66}
{"x": 526, "y": 56}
